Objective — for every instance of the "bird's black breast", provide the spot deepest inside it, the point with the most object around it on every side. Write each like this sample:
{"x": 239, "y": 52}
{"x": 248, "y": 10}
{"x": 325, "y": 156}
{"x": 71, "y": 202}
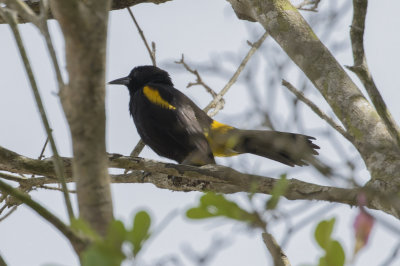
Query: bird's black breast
{"x": 167, "y": 122}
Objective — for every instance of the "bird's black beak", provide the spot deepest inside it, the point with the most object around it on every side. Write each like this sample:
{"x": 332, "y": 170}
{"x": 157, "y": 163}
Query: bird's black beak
{"x": 121, "y": 81}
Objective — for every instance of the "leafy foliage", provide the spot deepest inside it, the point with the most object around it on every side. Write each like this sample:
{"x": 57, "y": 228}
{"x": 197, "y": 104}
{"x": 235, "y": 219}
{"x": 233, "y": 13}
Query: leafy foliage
{"x": 108, "y": 251}
{"x": 334, "y": 254}
{"x": 216, "y": 205}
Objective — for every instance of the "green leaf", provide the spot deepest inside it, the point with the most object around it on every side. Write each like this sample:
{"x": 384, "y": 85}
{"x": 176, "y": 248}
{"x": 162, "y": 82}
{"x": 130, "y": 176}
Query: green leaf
{"x": 107, "y": 251}
{"x": 99, "y": 255}
{"x": 84, "y": 228}
{"x": 323, "y": 233}
{"x": 140, "y": 231}
{"x": 278, "y": 190}
{"x": 335, "y": 254}
{"x": 322, "y": 262}
{"x": 116, "y": 234}
{"x": 216, "y": 205}
{"x": 198, "y": 213}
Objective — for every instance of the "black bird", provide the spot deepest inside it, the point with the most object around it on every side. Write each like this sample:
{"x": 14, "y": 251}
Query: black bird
{"x": 176, "y": 128}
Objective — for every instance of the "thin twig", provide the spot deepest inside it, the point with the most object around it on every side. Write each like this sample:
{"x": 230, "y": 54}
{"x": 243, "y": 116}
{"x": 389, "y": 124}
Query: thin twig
{"x": 152, "y": 52}
{"x": 2, "y": 261}
{"x": 55, "y": 188}
{"x": 138, "y": 148}
{"x": 313, "y": 8}
{"x": 4, "y": 206}
{"x": 43, "y": 149}
{"x": 13, "y": 209}
{"x": 316, "y": 110}
{"x": 199, "y": 80}
{"x": 11, "y": 18}
{"x": 40, "y": 21}
{"x": 392, "y": 256}
{"x": 11, "y": 177}
{"x": 360, "y": 68}
{"x": 214, "y": 102}
{"x": 305, "y": 221}
{"x": 42, "y": 211}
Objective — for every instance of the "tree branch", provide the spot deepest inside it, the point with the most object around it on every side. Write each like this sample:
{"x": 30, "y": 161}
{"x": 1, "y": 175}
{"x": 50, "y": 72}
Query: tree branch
{"x": 215, "y": 178}
{"x": 214, "y": 102}
{"x": 189, "y": 178}
{"x": 279, "y": 257}
{"x": 318, "y": 111}
{"x": 360, "y": 67}
{"x": 83, "y": 101}
{"x": 152, "y": 53}
{"x": 2, "y": 261}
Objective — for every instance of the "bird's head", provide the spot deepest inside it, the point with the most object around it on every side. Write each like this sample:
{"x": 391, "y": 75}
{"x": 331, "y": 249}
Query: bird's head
{"x": 142, "y": 75}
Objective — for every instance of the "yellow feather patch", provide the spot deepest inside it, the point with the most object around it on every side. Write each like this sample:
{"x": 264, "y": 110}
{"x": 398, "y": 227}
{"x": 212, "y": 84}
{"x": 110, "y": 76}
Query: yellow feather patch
{"x": 215, "y": 125}
{"x": 154, "y": 96}
{"x": 221, "y": 142}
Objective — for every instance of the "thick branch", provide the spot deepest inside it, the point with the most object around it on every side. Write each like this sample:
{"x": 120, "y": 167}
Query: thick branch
{"x": 189, "y": 178}
{"x": 84, "y": 26}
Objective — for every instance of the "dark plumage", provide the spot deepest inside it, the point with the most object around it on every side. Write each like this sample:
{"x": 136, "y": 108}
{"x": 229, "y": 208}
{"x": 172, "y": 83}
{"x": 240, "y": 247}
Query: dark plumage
{"x": 174, "y": 127}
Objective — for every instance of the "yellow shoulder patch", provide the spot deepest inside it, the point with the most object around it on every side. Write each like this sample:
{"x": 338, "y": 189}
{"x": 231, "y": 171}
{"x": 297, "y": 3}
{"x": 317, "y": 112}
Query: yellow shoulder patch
{"x": 154, "y": 96}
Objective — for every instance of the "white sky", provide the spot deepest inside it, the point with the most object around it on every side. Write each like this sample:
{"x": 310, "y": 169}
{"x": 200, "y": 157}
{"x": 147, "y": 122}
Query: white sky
{"x": 201, "y": 30}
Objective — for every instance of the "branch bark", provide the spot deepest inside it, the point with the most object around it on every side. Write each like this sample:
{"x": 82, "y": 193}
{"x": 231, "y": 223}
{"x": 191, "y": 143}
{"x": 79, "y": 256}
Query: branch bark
{"x": 360, "y": 67}
{"x": 84, "y": 26}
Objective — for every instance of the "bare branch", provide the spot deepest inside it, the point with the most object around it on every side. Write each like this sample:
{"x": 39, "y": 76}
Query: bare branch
{"x": 279, "y": 257}
{"x": 43, "y": 149}
{"x": 2, "y": 261}
{"x": 13, "y": 209}
{"x": 138, "y": 148}
{"x": 199, "y": 80}
{"x": 11, "y": 17}
{"x": 318, "y": 111}
{"x": 360, "y": 67}
{"x": 392, "y": 256}
{"x": 313, "y": 8}
{"x": 214, "y": 102}
{"x": 152, "y": 52}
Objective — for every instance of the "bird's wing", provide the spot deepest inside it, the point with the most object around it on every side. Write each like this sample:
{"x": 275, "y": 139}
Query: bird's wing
{"x": 176, "y": 118}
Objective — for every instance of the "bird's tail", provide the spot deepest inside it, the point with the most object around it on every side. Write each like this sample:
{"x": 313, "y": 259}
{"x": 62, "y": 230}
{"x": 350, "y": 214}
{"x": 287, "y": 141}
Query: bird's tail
{"x": 288, "y": 148}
